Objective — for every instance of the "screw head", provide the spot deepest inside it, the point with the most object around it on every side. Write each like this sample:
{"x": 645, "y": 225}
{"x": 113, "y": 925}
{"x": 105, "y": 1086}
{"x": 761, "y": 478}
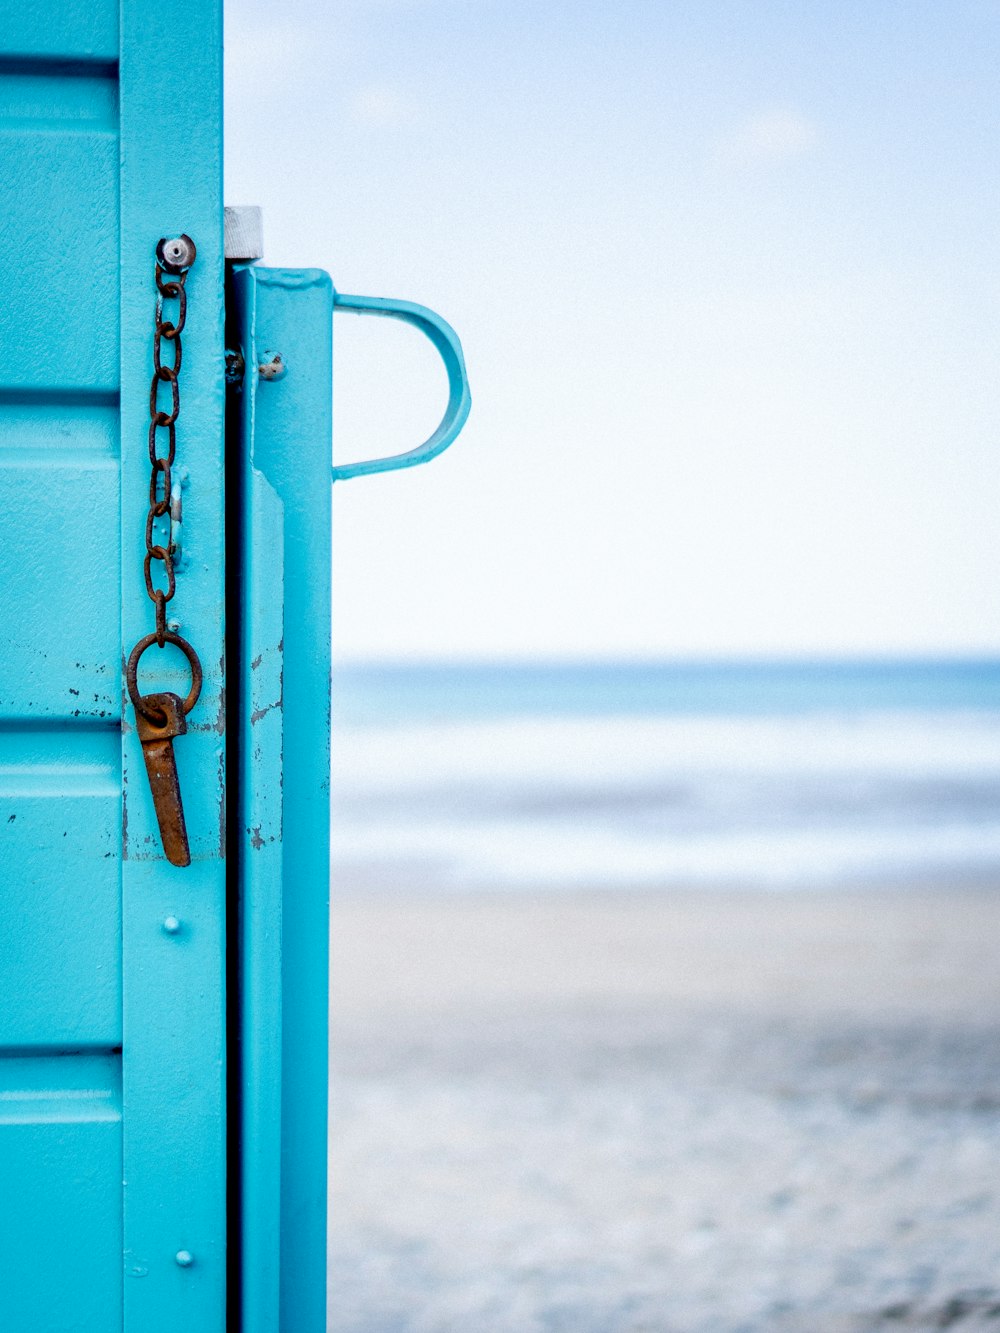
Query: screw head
{"x": 184, "y": 1258}
{"x": 272, "y": 366}
{"x": 176, "y": 253}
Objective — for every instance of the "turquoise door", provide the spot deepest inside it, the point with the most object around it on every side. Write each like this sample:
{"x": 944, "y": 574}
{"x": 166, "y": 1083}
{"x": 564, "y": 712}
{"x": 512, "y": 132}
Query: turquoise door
{"x": 113, "y": 1070}
{"x": 280, "y": 459}
{"x": 163, "y": 1027}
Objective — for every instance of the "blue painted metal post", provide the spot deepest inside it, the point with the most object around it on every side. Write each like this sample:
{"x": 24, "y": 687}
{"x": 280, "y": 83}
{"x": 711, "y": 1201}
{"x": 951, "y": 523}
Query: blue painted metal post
{"x": 284, "y": 453}
{"x": 174, "y": 992}
{"x": 285, "y": 857}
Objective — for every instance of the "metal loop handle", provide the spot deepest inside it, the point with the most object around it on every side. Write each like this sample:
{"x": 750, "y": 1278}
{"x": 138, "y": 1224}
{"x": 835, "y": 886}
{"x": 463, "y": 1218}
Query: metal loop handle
{"x": 445, "y": 339}
{"x": 132, "y": 671}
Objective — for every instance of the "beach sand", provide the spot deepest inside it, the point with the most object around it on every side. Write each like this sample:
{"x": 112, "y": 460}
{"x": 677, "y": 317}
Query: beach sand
{"x": 721, "y": 1111}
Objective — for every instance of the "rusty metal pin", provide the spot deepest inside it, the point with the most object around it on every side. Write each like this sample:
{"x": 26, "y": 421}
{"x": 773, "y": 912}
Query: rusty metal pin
{"x": 158, "y": 722}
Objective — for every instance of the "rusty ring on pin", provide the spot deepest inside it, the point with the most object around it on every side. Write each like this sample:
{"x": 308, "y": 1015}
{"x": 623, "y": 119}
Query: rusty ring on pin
{"x": 132, "y": 671}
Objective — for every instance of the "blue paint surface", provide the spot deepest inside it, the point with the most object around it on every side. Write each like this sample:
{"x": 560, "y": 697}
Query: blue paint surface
{"x": 285, "y": 428}
{"x": 112, "y": 1056}
{"x": 116, "y": 1212}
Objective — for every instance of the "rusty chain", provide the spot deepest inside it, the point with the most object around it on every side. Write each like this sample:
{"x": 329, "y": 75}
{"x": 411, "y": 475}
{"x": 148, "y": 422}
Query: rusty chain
{"x": 174, "y": 257}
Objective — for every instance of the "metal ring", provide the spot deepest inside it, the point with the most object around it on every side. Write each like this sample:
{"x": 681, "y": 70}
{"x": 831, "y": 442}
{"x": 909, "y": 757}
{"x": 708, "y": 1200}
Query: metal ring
{"x": 132, "y": 669}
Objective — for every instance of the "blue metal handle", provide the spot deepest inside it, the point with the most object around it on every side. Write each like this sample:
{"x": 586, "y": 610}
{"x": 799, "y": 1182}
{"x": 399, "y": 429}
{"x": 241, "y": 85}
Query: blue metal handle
{"x": 445, "y": 339}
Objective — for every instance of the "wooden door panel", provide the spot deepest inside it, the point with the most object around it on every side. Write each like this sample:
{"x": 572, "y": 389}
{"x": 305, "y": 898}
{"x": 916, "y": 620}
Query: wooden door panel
{"x": 60, "y": 1144}
{"x": 112, "y": 1031}
{"x": 60, "y": 565}
{"x": 58, "y": 229}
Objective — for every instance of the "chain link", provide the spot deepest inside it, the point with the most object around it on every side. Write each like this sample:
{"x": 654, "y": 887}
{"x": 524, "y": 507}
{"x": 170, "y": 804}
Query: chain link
{"x": 159, "y": 420}
{"x": 174, "y": 258}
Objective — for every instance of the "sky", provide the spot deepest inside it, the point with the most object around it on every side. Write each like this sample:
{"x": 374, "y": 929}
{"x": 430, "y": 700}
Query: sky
{"x": 727, "y": 275}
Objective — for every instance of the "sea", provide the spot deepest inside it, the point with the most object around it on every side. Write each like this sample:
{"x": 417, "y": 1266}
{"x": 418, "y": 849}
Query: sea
{"x": 590, "y": 775}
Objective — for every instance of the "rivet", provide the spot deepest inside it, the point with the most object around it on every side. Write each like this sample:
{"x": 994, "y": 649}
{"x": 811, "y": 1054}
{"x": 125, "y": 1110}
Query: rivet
{"x": 272, "y": 366}
{"x": 172, "y": 926}
{"x": 184, "y": 1258}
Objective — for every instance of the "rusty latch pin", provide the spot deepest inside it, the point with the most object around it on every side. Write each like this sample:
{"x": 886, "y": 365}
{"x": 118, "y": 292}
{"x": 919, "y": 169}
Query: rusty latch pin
{"x": 159, "y": 720}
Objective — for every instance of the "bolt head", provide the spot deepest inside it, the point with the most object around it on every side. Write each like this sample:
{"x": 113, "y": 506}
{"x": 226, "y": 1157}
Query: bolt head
{"x": 184, "y": 1258}
{"x": 172, "y": 925}
{"x": 176, "y": 253}
{"x": 272, "y": 366}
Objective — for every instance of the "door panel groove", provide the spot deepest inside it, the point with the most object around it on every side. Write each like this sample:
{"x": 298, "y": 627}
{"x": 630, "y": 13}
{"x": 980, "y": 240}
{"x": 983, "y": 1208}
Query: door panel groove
{"x": 60, "y": 1087}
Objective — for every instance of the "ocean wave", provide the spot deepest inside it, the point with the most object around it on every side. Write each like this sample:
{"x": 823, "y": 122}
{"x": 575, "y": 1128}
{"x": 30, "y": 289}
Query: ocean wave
{"x": 769, "y": 800}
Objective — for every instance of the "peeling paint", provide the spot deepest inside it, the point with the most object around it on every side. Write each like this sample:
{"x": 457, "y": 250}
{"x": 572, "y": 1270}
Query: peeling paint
{"x": 222, "y": 805}
{"x": 258, "y": 713}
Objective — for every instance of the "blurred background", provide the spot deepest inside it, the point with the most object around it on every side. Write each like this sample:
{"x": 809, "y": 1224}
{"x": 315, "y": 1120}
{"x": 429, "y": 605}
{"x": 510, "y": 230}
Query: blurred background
{"x": 667, "y": 704}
